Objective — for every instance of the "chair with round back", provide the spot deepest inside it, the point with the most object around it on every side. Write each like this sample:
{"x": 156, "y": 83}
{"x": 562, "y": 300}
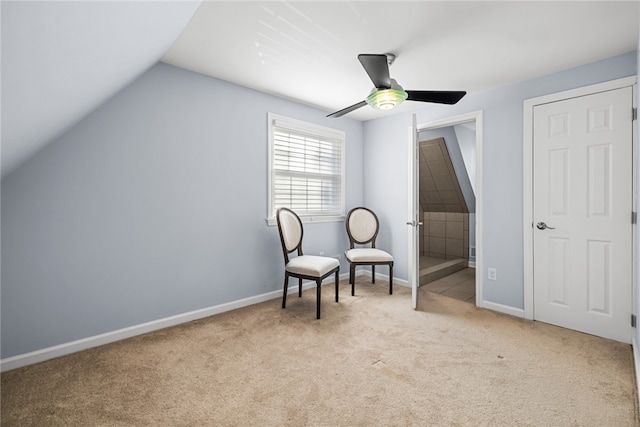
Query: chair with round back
{"x": 362, "y": 227}
{"x": 308, "y": 267}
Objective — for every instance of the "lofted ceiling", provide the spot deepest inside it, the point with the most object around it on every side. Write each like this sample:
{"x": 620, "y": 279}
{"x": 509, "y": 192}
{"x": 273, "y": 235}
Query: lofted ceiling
{"x": 307, "y": 51}
{"x": 60, "y": 60}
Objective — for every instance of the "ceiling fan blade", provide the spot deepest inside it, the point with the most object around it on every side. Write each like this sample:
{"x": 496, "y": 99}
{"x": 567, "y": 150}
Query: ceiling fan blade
{"x": 348, "y": 109}
{"x": 377, "y": 68}
{"x": 436, "y": 96}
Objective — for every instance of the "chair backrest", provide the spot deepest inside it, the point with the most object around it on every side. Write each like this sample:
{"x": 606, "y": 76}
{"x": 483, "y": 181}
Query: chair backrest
{"x": 362, "y": 226}
{"x": 290, "y": 230}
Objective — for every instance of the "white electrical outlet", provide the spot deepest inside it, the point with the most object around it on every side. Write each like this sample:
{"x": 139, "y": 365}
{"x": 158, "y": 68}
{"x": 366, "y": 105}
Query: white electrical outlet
{"x": 321, "y": 253}
{"x": 492, "y": 273}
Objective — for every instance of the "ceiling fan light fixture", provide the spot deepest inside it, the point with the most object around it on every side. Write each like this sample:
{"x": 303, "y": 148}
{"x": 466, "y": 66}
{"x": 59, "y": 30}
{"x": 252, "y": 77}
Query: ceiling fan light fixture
{"x": 386, "y": 99}
{"x": 387, "y": 93}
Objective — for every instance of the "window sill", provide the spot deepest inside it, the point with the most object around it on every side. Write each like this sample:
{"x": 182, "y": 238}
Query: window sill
{"x": 312, "y": 219}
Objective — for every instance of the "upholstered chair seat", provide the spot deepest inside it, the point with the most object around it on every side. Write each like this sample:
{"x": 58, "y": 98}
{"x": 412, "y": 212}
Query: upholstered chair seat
{"x": 368, "y": 255}
{"x": 312, "y": 265}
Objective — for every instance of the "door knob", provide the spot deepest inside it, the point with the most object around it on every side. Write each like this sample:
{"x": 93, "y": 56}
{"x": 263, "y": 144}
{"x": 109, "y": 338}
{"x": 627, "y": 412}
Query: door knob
{"x": 542, "y": 226}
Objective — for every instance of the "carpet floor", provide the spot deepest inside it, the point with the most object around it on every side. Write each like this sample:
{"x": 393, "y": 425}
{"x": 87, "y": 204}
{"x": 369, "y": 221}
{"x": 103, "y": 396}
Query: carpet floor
{"x": 370, "y": 361}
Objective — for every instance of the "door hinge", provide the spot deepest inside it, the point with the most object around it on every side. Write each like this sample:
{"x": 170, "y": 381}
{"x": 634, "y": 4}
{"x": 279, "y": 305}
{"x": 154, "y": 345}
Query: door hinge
{"x": 633, "y": 320}
{"x": 634, "y": 114}
{"x": 634, "y": 217}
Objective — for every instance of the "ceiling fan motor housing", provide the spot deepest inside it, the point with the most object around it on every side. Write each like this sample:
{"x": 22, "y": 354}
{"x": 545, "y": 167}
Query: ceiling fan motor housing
{"x": 386, "y": 99}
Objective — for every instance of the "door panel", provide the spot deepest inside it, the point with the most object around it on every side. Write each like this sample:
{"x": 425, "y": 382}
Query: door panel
{"x": 582, "y": 191}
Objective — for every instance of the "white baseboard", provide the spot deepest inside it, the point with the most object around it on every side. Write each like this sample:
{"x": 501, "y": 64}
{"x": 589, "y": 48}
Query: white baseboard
{"x": 41, "y": 355}
{"x": 44, "y": 354}
{"x": 517, "y": 312}
{"x": 396, "y": 281}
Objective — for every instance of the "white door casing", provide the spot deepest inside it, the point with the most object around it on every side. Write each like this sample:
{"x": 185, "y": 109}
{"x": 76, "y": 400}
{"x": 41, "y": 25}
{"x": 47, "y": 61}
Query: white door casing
{"x": 414, "y": 210}
{"x": 582, "y": 189}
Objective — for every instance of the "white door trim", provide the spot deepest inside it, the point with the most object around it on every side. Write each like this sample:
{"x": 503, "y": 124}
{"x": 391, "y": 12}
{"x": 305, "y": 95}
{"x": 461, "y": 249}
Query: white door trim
{"x": 527, "y": 168}
{"x": 450, "y": 121}
{"x": 414, "y": 221}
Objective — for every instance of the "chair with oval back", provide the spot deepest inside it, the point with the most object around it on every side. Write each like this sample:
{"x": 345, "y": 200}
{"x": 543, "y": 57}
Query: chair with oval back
{"x": 309, "y": 267}
{"x": 362, "y": 227}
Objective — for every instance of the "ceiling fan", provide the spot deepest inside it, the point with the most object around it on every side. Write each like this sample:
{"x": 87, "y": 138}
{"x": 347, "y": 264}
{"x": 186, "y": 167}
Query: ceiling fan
{"x": 387, "y": 93}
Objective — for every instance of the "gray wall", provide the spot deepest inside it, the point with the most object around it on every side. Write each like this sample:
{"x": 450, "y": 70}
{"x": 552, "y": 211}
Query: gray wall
{"x": 152, "y": 206}
{"x": 466, "y": 135}
{"x": 387, "y": 149}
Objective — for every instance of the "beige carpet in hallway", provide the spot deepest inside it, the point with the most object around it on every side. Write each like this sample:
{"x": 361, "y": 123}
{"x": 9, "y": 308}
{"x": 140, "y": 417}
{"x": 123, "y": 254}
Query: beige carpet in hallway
{"x": 370, "y": 361}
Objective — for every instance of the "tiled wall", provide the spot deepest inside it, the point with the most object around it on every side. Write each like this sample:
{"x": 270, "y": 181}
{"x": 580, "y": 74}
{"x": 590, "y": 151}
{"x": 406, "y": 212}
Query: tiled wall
{"x": 446, "y": 235}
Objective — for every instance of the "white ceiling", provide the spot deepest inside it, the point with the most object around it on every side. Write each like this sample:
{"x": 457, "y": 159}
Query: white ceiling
{"x": 307, "y": 51}
{"x": 60, "y": 60}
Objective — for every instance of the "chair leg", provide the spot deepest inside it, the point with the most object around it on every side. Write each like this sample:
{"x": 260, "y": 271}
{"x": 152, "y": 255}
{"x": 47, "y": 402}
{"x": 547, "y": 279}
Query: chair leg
{"x": 284, "y": 293}
{"x": 352, "y": 278}
{"x": 391, "y": 279}
{"x": 299, "y": 287}
{"x": 350, "y": 273}
{"x": 337, "y": 274}
{"x": 318, "y": 287}
{"x": 373, "y": 274}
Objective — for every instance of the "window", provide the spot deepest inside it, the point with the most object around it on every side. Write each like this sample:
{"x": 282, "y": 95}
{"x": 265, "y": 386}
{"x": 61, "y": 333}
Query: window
{"x": 306, "y": 169}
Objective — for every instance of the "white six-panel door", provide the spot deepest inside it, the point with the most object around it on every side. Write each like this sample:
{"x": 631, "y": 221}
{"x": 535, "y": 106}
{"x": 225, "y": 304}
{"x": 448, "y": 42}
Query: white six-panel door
{"x": 582, "y": 205}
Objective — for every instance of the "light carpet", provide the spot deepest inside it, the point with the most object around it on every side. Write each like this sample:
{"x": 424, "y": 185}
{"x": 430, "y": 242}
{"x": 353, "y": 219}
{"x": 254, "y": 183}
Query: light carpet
{"x": 369, "y": 361}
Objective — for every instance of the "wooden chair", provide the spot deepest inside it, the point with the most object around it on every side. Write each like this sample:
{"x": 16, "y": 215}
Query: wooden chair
{"x": 308, "y": 267}
{"x": 362, "y": 227}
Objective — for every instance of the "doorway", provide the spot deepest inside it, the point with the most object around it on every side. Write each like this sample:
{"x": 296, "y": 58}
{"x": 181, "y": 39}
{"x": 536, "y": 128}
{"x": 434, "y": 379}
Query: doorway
{"x": 448, "y": 189}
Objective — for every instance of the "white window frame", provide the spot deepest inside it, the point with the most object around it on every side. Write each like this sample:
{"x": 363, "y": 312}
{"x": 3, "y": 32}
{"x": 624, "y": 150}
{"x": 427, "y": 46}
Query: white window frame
{"x": 313, "y": 129}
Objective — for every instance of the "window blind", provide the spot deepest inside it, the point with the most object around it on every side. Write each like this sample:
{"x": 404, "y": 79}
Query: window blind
{"x": 307, "y": 172}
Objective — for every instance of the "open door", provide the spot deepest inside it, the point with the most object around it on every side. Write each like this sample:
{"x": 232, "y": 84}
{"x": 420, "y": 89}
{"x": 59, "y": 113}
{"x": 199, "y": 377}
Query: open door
{"x": 414, "y": 212}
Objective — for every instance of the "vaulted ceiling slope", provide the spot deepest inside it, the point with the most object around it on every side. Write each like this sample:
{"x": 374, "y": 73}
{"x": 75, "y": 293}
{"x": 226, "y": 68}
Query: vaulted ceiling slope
{"x": 62, "y": 59}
